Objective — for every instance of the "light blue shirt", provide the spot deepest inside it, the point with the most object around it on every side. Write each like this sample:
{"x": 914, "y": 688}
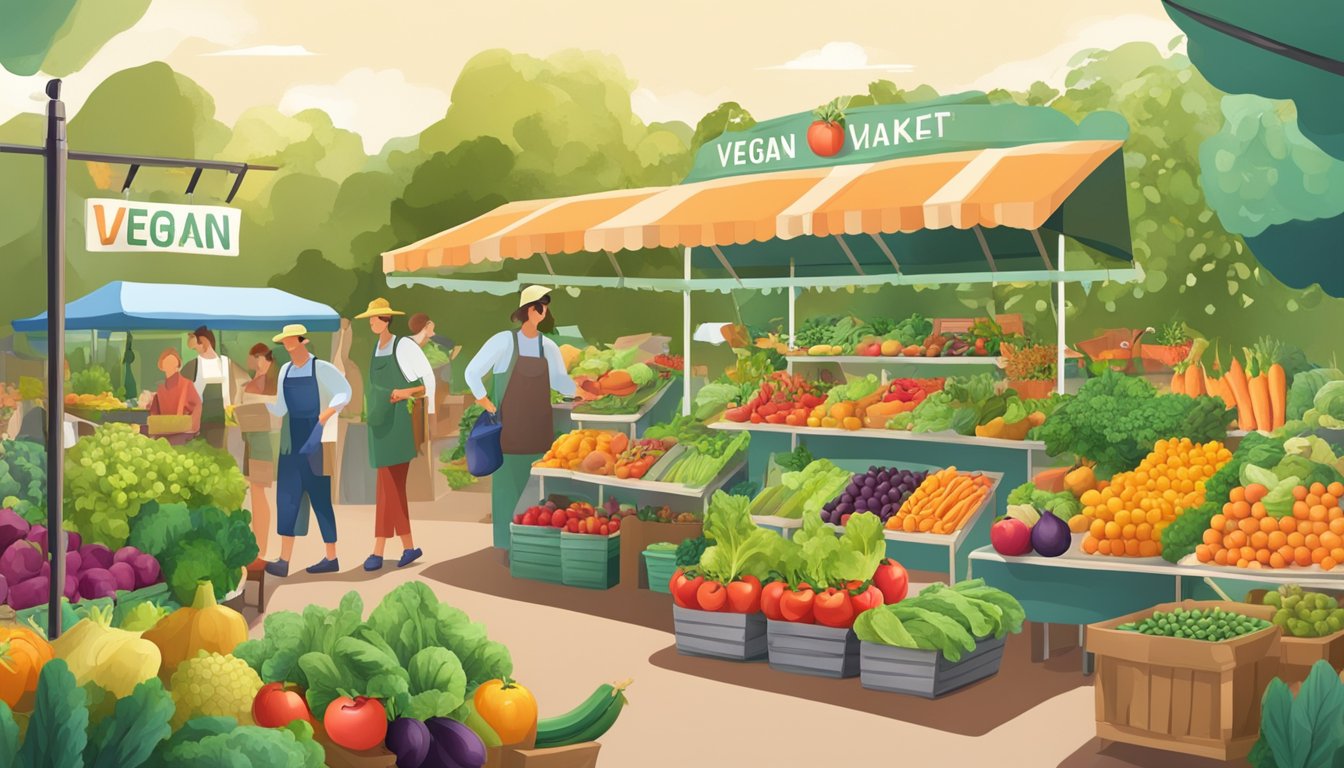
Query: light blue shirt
{"x": 332, "y": 387}
{"x": 497, "y": 353}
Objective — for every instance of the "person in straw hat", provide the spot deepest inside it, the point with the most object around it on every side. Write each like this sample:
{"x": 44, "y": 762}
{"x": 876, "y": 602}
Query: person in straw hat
{"x": 527, "y": 366}
{"x": 310, "y": 394}
{"x": 398, "y": 373}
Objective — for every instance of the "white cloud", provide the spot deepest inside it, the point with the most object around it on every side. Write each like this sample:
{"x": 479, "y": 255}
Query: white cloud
{"x": 378, "y": 105}
{"x": 686, "y": 106}
{"x": 1051, "y": 66}
{"x": 838, "y": 57}
{"x": 265, "y": 50}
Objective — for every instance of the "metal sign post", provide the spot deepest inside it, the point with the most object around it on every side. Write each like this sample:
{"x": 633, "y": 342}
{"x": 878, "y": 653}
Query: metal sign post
{"x": 56, "y": 154}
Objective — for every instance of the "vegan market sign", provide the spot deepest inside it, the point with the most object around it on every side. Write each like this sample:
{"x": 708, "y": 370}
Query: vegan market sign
{"x": 886, "y": 132}
{"x": 121, "y": 225}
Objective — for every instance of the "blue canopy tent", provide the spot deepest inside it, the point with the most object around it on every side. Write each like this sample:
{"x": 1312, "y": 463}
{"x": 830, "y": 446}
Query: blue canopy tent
{"x": 126, "y": 306}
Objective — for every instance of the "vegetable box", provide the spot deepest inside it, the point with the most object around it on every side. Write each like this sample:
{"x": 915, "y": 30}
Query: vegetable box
{"x": 1192, "y": 696}
{"x": 926, "y": 673}
{"x": 637, "y": 535}
{"x": 1298, "y": 654}
{"x": 340, "y": 757}
{"x": 659, "y": 567}
{"x": 526, "y": 754}
{"x": 812, "y": 649}
{"x": 590, "y": 560}
{"x": 732, "y": 636}
{"x": 534, "y": 553}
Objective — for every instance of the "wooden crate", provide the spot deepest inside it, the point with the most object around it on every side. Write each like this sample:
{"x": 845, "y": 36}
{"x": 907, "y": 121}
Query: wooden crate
{"x": 812, "y": 649}
{"x": 637, "y": 535}
{"x": 1189, "y": 696}
{"x": 1298, "y": 654}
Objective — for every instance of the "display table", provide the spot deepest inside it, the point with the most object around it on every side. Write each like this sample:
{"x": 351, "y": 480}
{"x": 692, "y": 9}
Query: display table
{"x": 640, "y": 489}
{"x": 658, "y": 408}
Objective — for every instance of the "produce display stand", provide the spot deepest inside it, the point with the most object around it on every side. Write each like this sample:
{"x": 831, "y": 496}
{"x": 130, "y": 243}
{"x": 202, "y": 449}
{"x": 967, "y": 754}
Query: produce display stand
{"x": 637, "y": 535}
{"x": 1080, "y": 589}
{"x": 657, "y": 408}
{"x": 547, "y": 475}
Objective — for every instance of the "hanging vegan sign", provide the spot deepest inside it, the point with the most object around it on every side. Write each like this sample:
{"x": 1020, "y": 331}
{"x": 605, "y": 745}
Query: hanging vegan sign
{"x": 122, "y": 225}
{"x": 835, "y": 135}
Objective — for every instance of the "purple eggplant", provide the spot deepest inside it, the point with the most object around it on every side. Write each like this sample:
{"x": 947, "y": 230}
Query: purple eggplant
{"x": 410, "y": 741}
{"x": 455, "y": 745}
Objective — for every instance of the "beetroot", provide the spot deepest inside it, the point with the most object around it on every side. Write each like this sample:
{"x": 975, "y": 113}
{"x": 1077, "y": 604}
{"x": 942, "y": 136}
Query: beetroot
{"x": 146, "y": 570}
{"x": 124, "y": 575}
{"x": 96, "y": 583}
{"x": 71, "y": 591}
{"x": 12, "y": 528}
{"x": 73, "y": 562}
{"x": 4, "y": 589}
{"x": 73, "y": 541}
{"x": 29, "y": 593}
{"x": 125, "y": 555}
{"x": 20, "y": 562}
{"x": 95, "y": 556}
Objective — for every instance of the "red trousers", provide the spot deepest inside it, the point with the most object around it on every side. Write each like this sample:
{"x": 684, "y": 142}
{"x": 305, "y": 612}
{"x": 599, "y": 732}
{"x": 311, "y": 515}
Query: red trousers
{"x": 392, "y": 516}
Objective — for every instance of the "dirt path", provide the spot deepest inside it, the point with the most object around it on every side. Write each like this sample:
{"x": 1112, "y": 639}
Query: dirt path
{"x": 704, "y": 713}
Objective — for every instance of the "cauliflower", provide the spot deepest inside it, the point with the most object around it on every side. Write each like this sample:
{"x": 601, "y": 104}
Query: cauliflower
{"x": 212, "y": 685}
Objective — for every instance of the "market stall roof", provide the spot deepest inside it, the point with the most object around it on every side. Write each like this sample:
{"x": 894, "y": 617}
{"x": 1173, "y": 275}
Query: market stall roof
{"x": 1020, "y": 187}
{"x": 124, "y": 306}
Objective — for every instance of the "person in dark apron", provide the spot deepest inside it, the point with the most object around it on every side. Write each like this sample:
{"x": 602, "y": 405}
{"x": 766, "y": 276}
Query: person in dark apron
{"x": 310, "y": 394}
{"x": 527, "y": 366}
{"x": 397, "y": 375}
{"x": 214, "y": 377}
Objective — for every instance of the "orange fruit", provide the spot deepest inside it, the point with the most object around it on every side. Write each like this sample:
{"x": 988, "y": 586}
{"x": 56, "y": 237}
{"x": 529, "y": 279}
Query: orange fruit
{"x": 1328, "y": 564}
{"x": 1259, "y": 540}
{"x": 1297, "y": 539}
{"x": 1338, "y": 554}
{"x": 1132, "y": 548}
{"x": 1313, "y": 541}
{"x": 1317, "y": 489}
{"x": 1316, "y": 514}
{"x": 1299, "y": 493}
{"x": 1203, "y": 554}
{"x": 1217, "y": 522}
{"x": 1249, "y": 526}
{"x": 1235, "y": 539}
{"x": 1302, "y": 556}
{"x": 1269, "y": 524}
{"x": 1300, "y": 510}
{"x": 1090, "y": 545}
{"x": 1247, "y": 553}
{"x": 1337, "y": 525}
{"x": 1277, "y": 540}
{"x": 1149, "y": 549}
{"x": 1319, "y": 527}
{"x": 1318, "y": 555}
{"x": 1289, "y": 524}
{"x": 1336, "y": 489}
{"x": 1276, "y": 561}
{"x": 1243, "y": 563}
{"x": 1263, "y": 556}
{"x": 1104, "y": 547}
{"x": 1239, "y": 494}
{"x": 1212, "y": 537}
{"x": 1329, "y": 500}
{"x": 1330, "y": 540}
{"x": 1220, "y": 557}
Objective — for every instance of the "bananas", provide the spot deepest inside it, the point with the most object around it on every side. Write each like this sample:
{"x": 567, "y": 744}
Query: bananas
{"x": 586, "y": 722}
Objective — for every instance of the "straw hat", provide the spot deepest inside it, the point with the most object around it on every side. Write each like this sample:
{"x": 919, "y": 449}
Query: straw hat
{"x": 532, "y": 293}
{"x": 291, "y": 331}
{"x": 379, "y": 307}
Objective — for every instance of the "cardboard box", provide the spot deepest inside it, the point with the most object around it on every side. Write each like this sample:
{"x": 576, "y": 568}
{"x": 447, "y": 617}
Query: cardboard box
{"x": 1191, "y": 696}
{"x": 1298, "y": 654}
{"x": 649, "y": 345}
{"x": 526, "y": 755}
{"x": 637, "y": 535}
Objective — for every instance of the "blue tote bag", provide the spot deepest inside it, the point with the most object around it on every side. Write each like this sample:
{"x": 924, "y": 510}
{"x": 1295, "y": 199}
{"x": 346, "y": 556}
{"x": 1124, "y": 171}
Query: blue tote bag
{"x": 484, "y": 456}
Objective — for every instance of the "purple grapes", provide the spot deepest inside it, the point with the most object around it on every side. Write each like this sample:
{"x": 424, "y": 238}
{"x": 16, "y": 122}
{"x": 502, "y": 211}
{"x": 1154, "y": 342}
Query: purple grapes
{"x": 880, "y": 490}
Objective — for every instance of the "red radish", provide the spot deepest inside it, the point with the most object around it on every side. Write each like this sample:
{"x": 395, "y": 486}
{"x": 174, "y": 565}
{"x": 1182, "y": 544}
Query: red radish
{"x": 826, "y": 136}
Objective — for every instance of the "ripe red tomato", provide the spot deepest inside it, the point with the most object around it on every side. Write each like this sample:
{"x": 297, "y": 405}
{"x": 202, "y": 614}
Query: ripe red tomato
{"x": 684, "y": 589}
{"x": 615, "y": 524}
{"x": 833, "y": 608}
{"x": 796, "y": 605}
{"x": 770, "y": 598}
{"x": 826, "y": 139}
{"x": 869, "y": 598}
{"x": 518, "y": 518}
{"x": 530, "y": 517}
{"x": 744, "y": 595}
{"x": 356, "y": 724}
{"x": 604, "y": 529}
{"x": 544, "y": 517}
{"x": 712, "y": 596}
{"x": 560, "y": 515}
{"x": 275, "y": 706}
{"x": 892, "y": 579}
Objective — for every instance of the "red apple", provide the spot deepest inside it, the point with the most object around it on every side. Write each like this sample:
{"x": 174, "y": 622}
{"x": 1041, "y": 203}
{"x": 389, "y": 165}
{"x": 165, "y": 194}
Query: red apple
{"x": 1010, "y": 537}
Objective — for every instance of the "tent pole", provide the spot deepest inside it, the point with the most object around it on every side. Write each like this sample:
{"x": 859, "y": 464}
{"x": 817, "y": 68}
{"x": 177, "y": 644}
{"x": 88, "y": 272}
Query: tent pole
{"x": 56, "y": 155}
{"x": 793, "y": 306}
{"x": 1059, "y": 322}
{"x": 686, "y": 337}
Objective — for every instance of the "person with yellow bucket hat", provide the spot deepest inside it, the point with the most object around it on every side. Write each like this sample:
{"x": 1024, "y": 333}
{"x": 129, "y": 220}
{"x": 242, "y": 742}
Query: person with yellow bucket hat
{"x": 526, "y": 367}
{"x": 311, "y": 392}
{"x": 397, "y": 375}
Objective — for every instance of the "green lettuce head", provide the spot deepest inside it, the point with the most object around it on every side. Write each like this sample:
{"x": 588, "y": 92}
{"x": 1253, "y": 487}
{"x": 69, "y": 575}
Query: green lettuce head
{"x": 1328, "y": 408}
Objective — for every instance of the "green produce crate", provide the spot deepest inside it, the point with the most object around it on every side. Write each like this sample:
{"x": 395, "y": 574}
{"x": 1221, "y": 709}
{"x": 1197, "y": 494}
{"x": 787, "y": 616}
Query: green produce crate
{"x": 590, "y": 560}
{"x": 660, "y": 567}
{"x": 534, "y": 553}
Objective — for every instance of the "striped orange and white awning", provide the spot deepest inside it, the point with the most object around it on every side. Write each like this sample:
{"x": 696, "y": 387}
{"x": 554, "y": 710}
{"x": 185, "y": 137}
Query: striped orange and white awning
{"x": 1018, "y": 187}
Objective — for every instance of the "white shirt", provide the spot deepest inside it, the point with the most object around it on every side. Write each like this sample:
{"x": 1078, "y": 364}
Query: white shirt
{"x": 214, "y": 370}
{"x": 497, "y": 353}
{"x": 332, "y": 387}
{"x": 414, "y": 365}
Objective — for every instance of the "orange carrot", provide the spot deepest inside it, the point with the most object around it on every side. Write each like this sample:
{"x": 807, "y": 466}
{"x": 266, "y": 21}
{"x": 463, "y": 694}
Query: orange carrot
{"x": 1278, "y": 395}
{"x": 1241, "y": 392}
{"x": 1194, "y": 380}
{"x": 1177, "y": 383}
{"x": 1259, "y": 388}
{"x": 1219, "y": 388}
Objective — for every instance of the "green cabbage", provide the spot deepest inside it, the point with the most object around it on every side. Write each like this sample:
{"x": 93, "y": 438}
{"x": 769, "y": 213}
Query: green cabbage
{"x": 640, "y": 373}
{"x": 1305, "y": 386}
{"x": 1328, "y": 407}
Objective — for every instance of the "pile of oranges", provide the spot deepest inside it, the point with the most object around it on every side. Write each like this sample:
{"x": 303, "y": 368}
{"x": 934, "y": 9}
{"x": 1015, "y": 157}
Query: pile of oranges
{"x": 1245, "y": 535}
{"x": 1126, "y": 517}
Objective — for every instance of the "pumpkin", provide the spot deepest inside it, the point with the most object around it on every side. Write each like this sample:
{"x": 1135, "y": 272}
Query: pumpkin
{"x": 22, "y": 654}
{"x": 202, "y": 626}
{"x": 507, "y": 707}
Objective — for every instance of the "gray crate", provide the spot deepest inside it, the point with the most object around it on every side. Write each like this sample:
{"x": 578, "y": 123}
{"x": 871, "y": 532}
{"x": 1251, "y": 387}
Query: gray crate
{"x": 926, "y": 673}
{"x": 733, "y": 636}
{"x": 812, "y": 649}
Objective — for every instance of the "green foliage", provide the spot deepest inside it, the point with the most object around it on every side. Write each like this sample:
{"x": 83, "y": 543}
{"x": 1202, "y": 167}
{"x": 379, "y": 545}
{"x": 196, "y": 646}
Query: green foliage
{"x": 23, "y": 479}
{"x": 739, "y": 547}
{"x": 195, "y": 543}
{"x": 1306, "y": 730}
{"x": 110, "y": 474}
{"x": 220, "y": 742}
{"x": 57, "y": 731}
{"x": 946, "y": 619}
{"x": 725, "y": 118}
{"x": 1187, "y": 531}
{"x": 93, "y": 380}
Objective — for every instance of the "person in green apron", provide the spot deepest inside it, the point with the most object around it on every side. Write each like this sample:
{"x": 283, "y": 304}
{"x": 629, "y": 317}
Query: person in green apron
{"x": 215, "y": 377}
{"x": 396, "y": 377}
{"x": 527, "y": 366}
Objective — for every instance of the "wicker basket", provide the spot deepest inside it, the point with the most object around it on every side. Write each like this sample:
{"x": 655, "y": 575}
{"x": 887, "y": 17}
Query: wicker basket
{"x": 169, "y": 424}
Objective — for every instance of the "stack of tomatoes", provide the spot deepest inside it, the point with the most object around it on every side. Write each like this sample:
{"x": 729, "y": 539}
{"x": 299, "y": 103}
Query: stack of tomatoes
{"x": 578, "y": 517}
{"x": 911, "y": 390}
{"x": 831, "y": 607}
{"x": 782, "y": 399}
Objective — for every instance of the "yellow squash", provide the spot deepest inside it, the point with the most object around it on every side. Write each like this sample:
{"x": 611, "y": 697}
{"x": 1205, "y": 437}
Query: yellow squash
{"x": 202, "y": 626}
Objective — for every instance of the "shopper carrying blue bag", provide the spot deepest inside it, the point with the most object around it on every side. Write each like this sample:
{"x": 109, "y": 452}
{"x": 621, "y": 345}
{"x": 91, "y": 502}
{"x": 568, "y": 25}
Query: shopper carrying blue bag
{"x": 526, "y": 368}
{"x": 484, "y": 455}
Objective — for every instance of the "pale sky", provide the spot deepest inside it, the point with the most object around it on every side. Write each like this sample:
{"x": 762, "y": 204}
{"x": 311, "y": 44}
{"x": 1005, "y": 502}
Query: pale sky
{"x": 389, "y": 72}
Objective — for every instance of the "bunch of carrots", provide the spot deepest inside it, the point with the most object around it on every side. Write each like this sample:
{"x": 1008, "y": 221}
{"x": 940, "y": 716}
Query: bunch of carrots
{"x": 942, "y": 503}
{"x": 1259, "y": 391}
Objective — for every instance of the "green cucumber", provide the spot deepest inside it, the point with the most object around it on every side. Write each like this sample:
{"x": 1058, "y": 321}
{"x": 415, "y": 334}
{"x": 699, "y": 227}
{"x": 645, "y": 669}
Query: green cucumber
{"x": 603, "y": 724}
{"x": 572, "y": 727}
